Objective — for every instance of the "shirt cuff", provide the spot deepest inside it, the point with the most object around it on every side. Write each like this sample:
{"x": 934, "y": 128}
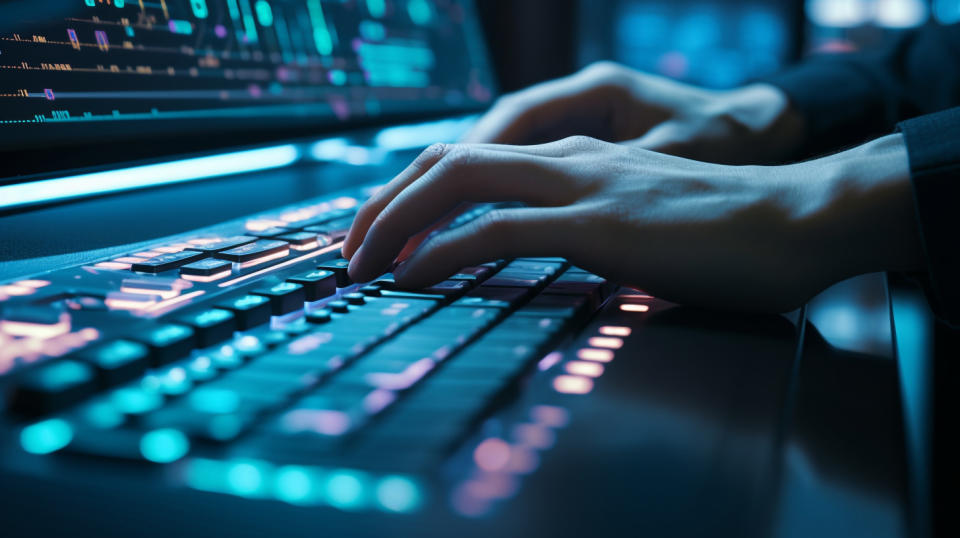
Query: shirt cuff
{"x": 933, "y": 146}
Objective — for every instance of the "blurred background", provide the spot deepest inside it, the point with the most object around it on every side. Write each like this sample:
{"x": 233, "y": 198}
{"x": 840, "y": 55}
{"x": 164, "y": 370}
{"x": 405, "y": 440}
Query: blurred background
{"x": 713, "y": 43}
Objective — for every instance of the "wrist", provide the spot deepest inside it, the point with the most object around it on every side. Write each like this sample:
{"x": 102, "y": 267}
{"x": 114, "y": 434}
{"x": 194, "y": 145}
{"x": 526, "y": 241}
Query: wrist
{"x": 856, "y": 211}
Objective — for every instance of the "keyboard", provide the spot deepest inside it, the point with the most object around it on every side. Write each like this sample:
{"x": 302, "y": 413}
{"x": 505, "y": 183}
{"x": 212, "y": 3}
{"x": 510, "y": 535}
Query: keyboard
{"x": 243, "y": 361}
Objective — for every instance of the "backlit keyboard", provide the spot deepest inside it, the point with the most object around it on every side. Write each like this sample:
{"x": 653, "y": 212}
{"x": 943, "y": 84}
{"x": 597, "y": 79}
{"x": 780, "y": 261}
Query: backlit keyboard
{"x": 244, "y": 358}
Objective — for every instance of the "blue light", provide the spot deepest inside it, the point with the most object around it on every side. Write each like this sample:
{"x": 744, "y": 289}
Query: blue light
{"x": 147, "y": 176}
{"x": 345, "y": 489}
{"x": 245, "y": 478}
{"x": 398, "y": 494}
{"x": 164, "y": 445}
{"x": 293, "y": 484}
{"x": 46, "y": 437}
{"x": 946, "y": 11}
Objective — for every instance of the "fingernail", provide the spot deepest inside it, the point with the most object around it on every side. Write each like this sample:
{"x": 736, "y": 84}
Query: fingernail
{"x": 356, "y": 263}
{"x": 400, "y": 270}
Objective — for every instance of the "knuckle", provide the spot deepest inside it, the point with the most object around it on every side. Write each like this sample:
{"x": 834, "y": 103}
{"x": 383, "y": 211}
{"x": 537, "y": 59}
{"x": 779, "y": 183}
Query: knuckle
{"x": 604, "y": 69}
{"x": 432, "y": 153}
{"x": 457, "y": 156}
{"x": 577, "y": 144}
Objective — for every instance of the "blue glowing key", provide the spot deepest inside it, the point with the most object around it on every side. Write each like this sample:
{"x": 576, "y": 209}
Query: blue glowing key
{"x": 53, "y": 386}
{"x": 397, "y": 494}
{"x": 164, "y": 445}
{"x": 46, "y": 437}
{"x": 118, "y": 361}
{"x": 211, "y": 326}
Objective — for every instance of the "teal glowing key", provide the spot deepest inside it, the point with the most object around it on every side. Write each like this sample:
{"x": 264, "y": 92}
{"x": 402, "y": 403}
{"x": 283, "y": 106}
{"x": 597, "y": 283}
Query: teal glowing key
{"x": 53, "y": 386}
{"x": 212, "y": 326}
{"x": 397, "y": 494}
{"x": 246, "y": 478}
{"x": 345, "y": 489}
{"x": 214, "y": 401}
{"x": 284, "y": 297}
{"x": 118, "y": 361}
{"x": 46, "y": 437}
{"x": 250, "y": 310}
{"x": 293, "y": 484}
{"x": 135, "y": 401}
{"x": 164, "y": 445}
{"x": 167, "y": 343}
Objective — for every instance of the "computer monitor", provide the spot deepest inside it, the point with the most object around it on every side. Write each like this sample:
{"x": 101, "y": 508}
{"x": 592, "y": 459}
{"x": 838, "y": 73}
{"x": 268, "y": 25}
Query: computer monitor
{"x": 107, "y": 81}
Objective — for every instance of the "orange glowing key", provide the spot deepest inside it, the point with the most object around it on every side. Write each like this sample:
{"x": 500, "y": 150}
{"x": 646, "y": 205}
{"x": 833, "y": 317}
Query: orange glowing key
{"x": 572, "y": 384}
{"x": 612, "y": 330}
{"x": 631, "y": 307}
{"x": 608, "y": 342}
{"x": 584, "y": 368}
{"x": 598, "y": 355}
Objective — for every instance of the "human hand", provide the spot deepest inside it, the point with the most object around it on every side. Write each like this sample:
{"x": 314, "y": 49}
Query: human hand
{"x": 746, "y": 238}
{"x": 610, "y": 102}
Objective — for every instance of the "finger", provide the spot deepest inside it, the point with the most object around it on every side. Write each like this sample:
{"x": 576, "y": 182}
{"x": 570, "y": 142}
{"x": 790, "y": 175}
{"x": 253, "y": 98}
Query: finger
{"x": 369, "y": 210}
{"x": 426, "y": 160}
{"x": 498, "y": 234}
{"x": 666, "y": 137}
{"x": 518, "y": 118}
{"x": 471, "y": 176}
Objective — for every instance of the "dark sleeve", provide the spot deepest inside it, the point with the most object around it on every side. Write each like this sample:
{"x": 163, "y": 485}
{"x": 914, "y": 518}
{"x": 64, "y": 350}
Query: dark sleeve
{"x": 847, "y": 99}
{"x": 933, "y": 144}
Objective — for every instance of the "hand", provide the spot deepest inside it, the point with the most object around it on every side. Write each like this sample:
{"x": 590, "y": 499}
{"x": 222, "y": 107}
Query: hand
{"x": 610, "y": 102}
{"x": 747, "y": 238}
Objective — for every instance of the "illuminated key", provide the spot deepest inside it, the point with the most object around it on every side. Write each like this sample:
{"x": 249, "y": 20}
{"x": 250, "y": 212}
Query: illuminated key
{"x": 166, "y": 262}
{"x": 284, "y": 297}
{"x": 257, "y": 252}
{"x": 250, "y": 310}
{"x": 216, "y": 245}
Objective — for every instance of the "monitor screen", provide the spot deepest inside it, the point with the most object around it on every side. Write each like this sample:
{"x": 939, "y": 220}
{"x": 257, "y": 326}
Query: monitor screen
{"x": 93, "y": 82}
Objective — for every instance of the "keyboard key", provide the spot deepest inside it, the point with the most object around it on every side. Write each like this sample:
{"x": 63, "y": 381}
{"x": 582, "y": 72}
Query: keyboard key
{"x": 207, "y": 267}
{"x": 270, "y": 233}
{"x": 354, "y": 298}
{"x": 495, "y": 297}
{"x": 211, "y": 326}
{"x": 339, "y": 268}
{"x": 255, "y": 251}
{"x": 305, "y": 240}
{"x": 116, "y": 362}
{"x": 285, "y": 297}
{"x": 562, "y": 306}
{"x": 167, "y": 342}
{"x": 223, "y": 244}
{"x": 249, "y": 310}
{"x": 370, "y": 290}
{"x": 166, "y": 262}
{"x": 318, "y": 316}
{"x": 317, "y": 284}
{"x": 339, "y": 306}
{"x": 54, "y": 386}
{"x": 450, "y": 289}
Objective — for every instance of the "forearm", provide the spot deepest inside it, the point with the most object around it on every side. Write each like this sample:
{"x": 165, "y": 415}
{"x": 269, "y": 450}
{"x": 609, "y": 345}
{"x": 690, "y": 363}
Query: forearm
{"x": 860, "y": 216}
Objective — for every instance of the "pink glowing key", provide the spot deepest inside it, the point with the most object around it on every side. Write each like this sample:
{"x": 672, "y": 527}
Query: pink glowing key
{"x": 16, "y": 290}
{"x": 322, "y": 421}
{"x": 631, "y": 307}
{"x": 533, "y": 435}
{"x": 572, "y": 384}
{"x": 608, "y": 342}
{"x": 584, "y": 368}
{"x": 492, "y": 454}
{"x": 550, "y": 415}
{"x": 613, "y": 330}
{"x": 117, "y": 266}
{"x": 549, "y": 361}
{"x": 32, "y": 283}
{"x": 598, "y": 355}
